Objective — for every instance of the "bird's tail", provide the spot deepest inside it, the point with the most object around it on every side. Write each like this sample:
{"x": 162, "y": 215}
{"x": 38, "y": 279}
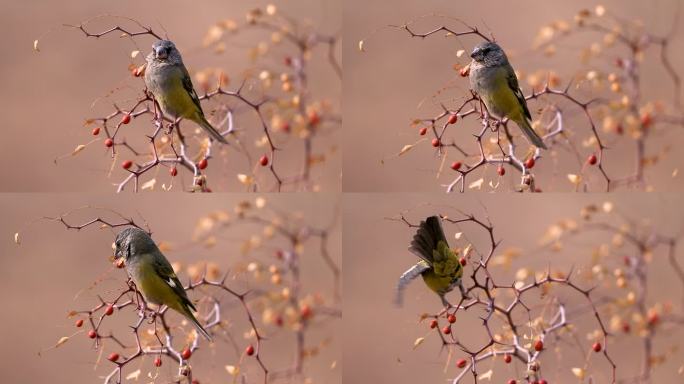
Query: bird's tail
{"x": 527, "y": 129}
{"x": 188, "y": 314}
{"x": 202, "y": 121}
{"x": 406, "y": 278}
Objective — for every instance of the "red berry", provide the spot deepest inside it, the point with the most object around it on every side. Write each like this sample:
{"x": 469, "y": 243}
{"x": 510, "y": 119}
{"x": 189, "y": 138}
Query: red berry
{"x": 446, "y": 330}
{"x": 465, "y": 71}
{"x": 461, "y": 363}
{"x": 619, "y": 129}
{"x": 195, "y": 381}
{"x": 306, "y": 312}
{"x": 542, "y": 381}
{"x": 173, "y": 171}
{"x": 186, "y": 353}
{"x": 596, "y": 347}
{"x": 285, "y": 127}
{"x": 92, "y": 334}
{"x": 626, "y": 327}
{"x": 157, "y": 362}
{"x": 456, "y": 165}
{"x": 434, "y": 324}
{"x": 512, "y": 381}
{"x": 249, "y": 351}
{"x": 538, "y": 345}
{"x": 263, "y": 160}
{"x": 653, "y": 318}
{"x": 279, "y": 321}
{"x": 463, "y": 261}
{"x": 619, "y": 62}
{"x": 646, "y": 120}
{"x": 109, "y": 310}
{"x": 507, "y": 358}
{"x": 108, "y": 142}
{"x": 436, "y": 143}
{"x": 288, "y": 60}
{"x": 113, "y": 357}
{"x": 453, "y": 119}
{"x": 96, "y": 131}
{"x": 126, "y": 164}
{"x": 279, "y": 254}
{"x": 451, "y": 318}
{"x": 79, "y": 323}
{"x": 423, "y": 131}
{"x": 501, "y": 170}
{"x": 529, "y": 163}
{"x": 126, "y": 118}
{"x": 592, "y": 160}
{"x": 203, "y": 163}
{"x": 314, "y": 119}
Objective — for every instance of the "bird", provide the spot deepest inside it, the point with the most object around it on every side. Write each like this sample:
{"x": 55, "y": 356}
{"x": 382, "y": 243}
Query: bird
{"x": 153, "y": 275}
{"x": 169, "y": 82}
{"x": 493, "y": 79}
{"x": 439, "y": 265}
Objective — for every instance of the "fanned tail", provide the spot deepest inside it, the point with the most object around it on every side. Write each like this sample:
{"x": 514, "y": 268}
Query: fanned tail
{"x": 406, "y": 278}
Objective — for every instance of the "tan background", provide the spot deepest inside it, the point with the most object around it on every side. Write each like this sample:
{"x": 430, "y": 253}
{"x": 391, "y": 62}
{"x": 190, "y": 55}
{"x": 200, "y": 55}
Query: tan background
{"x": 379, "y": 337}
{"x": 393, "y": 82}
{"x": 48, "y": 96}
{"x": 41, "y": 278}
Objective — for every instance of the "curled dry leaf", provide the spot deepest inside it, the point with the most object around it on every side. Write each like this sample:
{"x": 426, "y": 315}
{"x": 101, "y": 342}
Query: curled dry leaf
{"x": 78, "y": 149}
{"x": 418, "y": 342}
{"x": 133, "y": 375}
{"x": 134, "y": 54}
{"x": 35, "y": 45}
{"x": 477, "y": 184}
{"x": 406, "y": 148}
{"x": 360, "y": 46}
{"x": 16, "y": 238}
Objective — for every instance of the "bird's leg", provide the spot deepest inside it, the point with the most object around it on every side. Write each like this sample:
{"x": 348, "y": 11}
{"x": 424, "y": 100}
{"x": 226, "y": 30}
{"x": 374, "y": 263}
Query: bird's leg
{"x": 447, "y": 305}
{"x": 176, "y": 123}
{"x": 464, "y": 294}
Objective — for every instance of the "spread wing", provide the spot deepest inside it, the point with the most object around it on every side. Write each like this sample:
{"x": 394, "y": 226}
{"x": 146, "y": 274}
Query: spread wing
{"x": 166, "y": 273}
{"x": 513, "y": 84}
{"x": 187, "y": 85}
{"x": 425, "y": 241}
{"x": 407, "y": 277}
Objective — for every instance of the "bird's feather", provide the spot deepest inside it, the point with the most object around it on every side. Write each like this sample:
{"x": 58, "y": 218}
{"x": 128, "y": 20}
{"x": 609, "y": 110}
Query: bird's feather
{"x": 425, "y": 241}
{"x": 409, "y": 276}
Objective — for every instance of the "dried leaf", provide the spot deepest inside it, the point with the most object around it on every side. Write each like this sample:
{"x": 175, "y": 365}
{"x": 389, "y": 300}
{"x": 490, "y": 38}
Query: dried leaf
{"x": 578, "y": 372}
{"x": 418, "y": 342}
{"x": 35, "y": 45}
{"x": 487, "y": 375}
{"x": 477, "y": 184}
{"x": 406, "y": 148}
{"x": 133, "y": 375}
{"x": 460, "y": 52}
{"x": 245, "y": 179}
{"x": 232, "y": 370}
{"x": 360, "y": 46}
{"x": 134, "y": 54}
{"x": 16, "y": 238}
{"x": 575, "y": 179}
{"x": 62, "y": 341}
{"x": 149, "y": 184}
{"x": 78, "y": 149}
{"x": 458, "y": 235}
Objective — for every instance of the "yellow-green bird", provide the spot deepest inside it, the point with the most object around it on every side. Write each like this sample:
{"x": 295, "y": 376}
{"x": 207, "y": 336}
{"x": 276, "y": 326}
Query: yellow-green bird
{"x": 169, "y": 82}
{"x": 492, "y": 77}
{"x": 439, "y": 266}
{"x": 153, "y": 275}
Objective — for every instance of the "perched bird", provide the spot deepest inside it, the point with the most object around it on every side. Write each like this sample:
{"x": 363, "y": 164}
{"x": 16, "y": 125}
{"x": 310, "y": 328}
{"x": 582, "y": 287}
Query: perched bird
{"x": 153, "y": 275}
{"x": 493, "y": 79}
{"x": 169, "y": 82}
{"x": 439, "y": 265}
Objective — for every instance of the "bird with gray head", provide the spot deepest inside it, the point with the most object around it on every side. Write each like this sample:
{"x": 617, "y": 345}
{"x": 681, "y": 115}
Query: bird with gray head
{"x": 169, "y": 82}
{"x": 495, "y": 82}
{"x": 153, "y": 275}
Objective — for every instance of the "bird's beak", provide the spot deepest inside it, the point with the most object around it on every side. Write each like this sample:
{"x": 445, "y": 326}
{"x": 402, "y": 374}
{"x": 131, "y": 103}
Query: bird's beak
{"x": 160, "y": 53}
{"x": 472, "y": 55}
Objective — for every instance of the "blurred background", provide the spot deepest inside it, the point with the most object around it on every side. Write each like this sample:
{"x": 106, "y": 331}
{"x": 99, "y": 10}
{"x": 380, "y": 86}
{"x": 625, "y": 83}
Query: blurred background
{"x": 49, "y": 94}
{"x": 379, "y": 338}
{"x": 55, "y": 270}
{"x": 399, "y": 78}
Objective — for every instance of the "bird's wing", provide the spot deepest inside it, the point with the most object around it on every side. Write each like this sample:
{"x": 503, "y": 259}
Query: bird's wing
{"x": 166, "y": 273}
{"x": 425, "y": 241}
{"x": 513, "y": 84}
{"x": 187, "y": 84}
{"x": 407, "y": 277}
